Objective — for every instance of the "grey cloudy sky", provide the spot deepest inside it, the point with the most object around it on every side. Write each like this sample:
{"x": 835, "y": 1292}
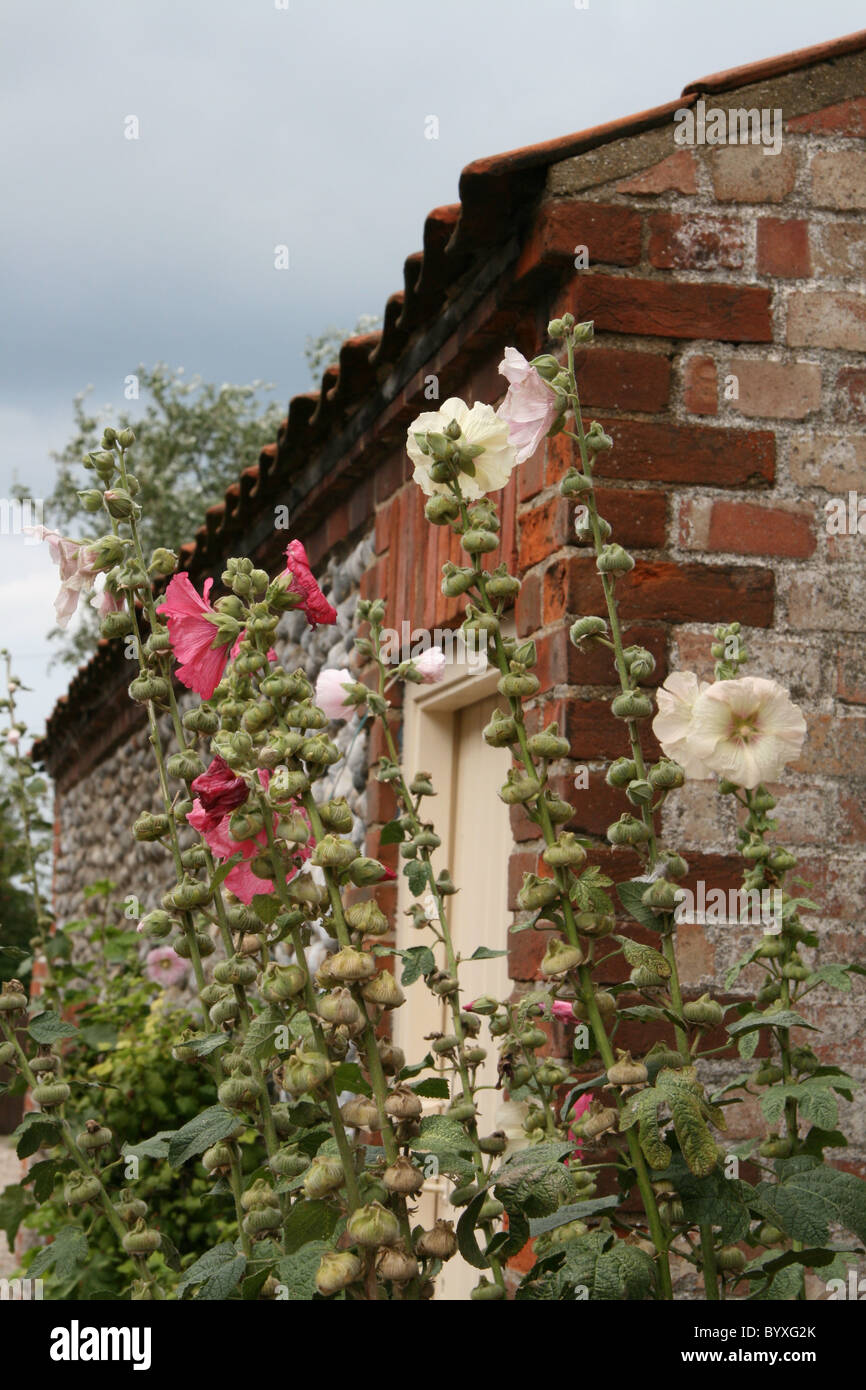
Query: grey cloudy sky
{"x": 262, "y": 125}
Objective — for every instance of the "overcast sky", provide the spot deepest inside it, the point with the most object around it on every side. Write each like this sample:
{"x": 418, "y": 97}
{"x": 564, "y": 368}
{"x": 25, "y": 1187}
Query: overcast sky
{"x": 265, "y": 123}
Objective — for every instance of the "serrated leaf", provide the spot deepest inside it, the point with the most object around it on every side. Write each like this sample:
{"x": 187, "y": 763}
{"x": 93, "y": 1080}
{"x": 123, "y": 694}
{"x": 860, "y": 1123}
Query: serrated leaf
{"x": 309, "y": 1221}
{"x": 638, "y": 955}
{"x": 42, "y": 1176}
{"x": 417, "y": 961}
{"x": 203, "y": 1047}
{"x": 576, "y": 1211}
{"x": 630, "y": 894}
{"x": 485, "y": 953}
{"x": 810, "y": 1200}
{"x": 783, "y": 1018}
{"x": 298, "y": 1271}
{"x": 817, "y": 1104}
{"x": 417, "y": 877}
{"x": 217, "y": 1273}
{"x": 696, "y": 1142}
{"x": 349, "y": 1077}
{"x": 66, "y": 1252}
{"x": 260, "y": 1040}
{"x": 156, "y": 1146}
{"x": 608, "y": 1269}
{"x": 391, "y": 834}
{"x": 832, "y": 974}
{"x": 35, "y": 1131}
{"x": 15, "y": 1202}
{"x": 199, "y": 1134}
{"x": 432, "y": 1088}
{"x": 49, "y": 1027}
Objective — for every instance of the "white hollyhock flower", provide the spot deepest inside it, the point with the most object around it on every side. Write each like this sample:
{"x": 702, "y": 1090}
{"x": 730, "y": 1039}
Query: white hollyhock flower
{"x": 673, "y": 725}
{"x": 747, "y": 730}
{"x": 480, "y": 425}
{"x": 430, "y": 665}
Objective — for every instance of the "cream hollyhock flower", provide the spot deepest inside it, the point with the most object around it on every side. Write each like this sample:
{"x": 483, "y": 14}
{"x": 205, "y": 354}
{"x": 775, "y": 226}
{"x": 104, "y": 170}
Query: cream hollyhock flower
{"x": 481, "y": 426}
{"x": 746, "y": 730}
{"x": 673, "y": 725}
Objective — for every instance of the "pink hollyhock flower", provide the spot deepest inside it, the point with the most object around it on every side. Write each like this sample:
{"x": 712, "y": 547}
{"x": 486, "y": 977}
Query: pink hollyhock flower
{"x": 164, "y": 966}
{"x": 431, "y": 665}
{"x": 562, "y": 1009}
{"x": 330, "y": 695}
{"x": 315, "y": 606}
{"x": 193, "y": 633}
{"x": 272, "y": 656}
{"x": 529, "y": 408}
{"x": 75, "y": 560}
{"x": 219, "y": 791}
{"x": 214, "y": 829}
{"x": 581, "y": 1105}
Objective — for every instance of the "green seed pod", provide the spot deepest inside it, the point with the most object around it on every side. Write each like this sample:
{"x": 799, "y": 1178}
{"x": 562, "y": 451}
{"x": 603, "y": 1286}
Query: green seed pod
{"x": 130, "y": 1209}
{"x": 188, "y": 894}
{"x": 674, "y": 865}
{"x": 403, "y": 1177}
{"x": 288, "y": 1162}
{"x": 731, "y": 1259}
{"x": 337, "y": 1271}
{"x": 396, "y": 1265}
{"x": 501, "y": 731}
{"x": 258, "y": 1195}
{"x": 485, "y": 1292}
{"x": 495, "y": 1143}
{"x": 447, "y": 1043}
{"x": 503, "y": 585}
{"x": 351, "y": 965}
{"x": 634, "y": 704}
{"x": 367, "y": 918}
{"x": 626, "y": 1071}
{"x": 261, "y": 1221}
{"x": 94, "y": 1136}
{"x": 776, "y": 1147}
{"x": 560, "y": 957}
{"x": 201, "y": 720}
{"x": 574, "y": 483}
{"x": 781, "y": 860}
{"x": 12, "y": 997}
{"x": 595, "y": 924}
{"x": 804, "y": 1059}
{"x": 79, "y": 1189}
{"x": 597, "y": 1120}
{"x": 795, "y": 970}
{"x": 559, "y": 811}
{"x": 491, "y": 1209}
{"x": 281, "y": 982}
{"x": 704, "y": 1011}
{"x": 372, "y": 1225}
{"x": 518, "y": 789}
{"x": 552, "y": 1074}
{"x": 605, "y": 1003}
{"x": 440, "y": 1243}
{"x": 239, "y": 1092}
{"x": 614, "y": 560}
{"x": 361, "y": 1112}
{"x": 365, "y": 871}
{"x": 384, "y": 991}
{"x": 642, "y": 977}
{"x": 340, "y": 1008}
{"x": 183, "y": 948}
{"x": 479, "y": 542}
{"x": 218, "y": 1158}
{"x": 768, "y": 1234}
{"x": 306, "y": 1071}
{"x": 665, "y": 775}
{"x": 333, "y": 853}
{"x": 537, "y": 892}
{"x": 640, "y": 792}
{"x": 237, "y": 970}
{"x": 7, "y": 1053}
{"x": 323, "y": 1176}
{"x": 519, "y": 685}
{"x": 586, "y": 627}
{"x": 548, "y": 744}
{"x": 49, "y": 1094}
{"x": 184, "y": 766}
{"x": 141, "y": 1240}
{"x": 627, "y": 831}
{"x": 393, "y": 1058}
{"x": 661, "y": 896}
{"x": 621, "y": 772}
{"x": 767, "y": 1074}
{"x": 462, "y": 1196}
{"x": 473, "y": 1056}
{"x": 157, "y": 925}
{"x": 443, "y": 984}
{"x": 755, "y": 849}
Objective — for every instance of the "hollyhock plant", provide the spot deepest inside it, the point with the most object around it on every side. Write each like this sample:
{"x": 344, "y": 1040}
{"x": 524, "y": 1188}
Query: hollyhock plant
{"x": 194, "y": 637}
{"x": 481, "y": 430}
{"x": 530, "y": 406}
{"x": 747, "y": 730}
{"x": 164, "y": 966}
{"x": 314, "y": 605}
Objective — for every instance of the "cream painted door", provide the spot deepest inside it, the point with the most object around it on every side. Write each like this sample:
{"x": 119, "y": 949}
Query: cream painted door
{"x": 444, "y": 736}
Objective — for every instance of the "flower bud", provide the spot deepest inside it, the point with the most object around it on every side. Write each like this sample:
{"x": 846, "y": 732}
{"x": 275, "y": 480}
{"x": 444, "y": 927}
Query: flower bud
{"x": 440, "y": 1243}
{"x": 627, "y": 831}
{"x": 338, "y": 1269}
{"x": 324, "y": 1175}
{"x": 288, "y": 1162}
{"x": 237, "y": 970}
{"x": 665, "y": 775}
{"x": 731, "y": 1259}
{"x": 396, "y": 1264}
{"x": 661, "y": 896}
{"x": 595, "y": 1121}
{"x": 261, "y": 1221}
{"x": 548, "y": 744}
{"x": 336, "y": 815}
{"x": 403, "y": 1104}
{"x": 485, "y": 1292}
{"x": 12, "y": 997}
{"x": 633, "y": 704}
{"x": 149, "y": 827}
{"x": 456, "y": 581}
{"x": 501, "y": 731}
{"x": 141, "y": 1240}
{"x": 519, "y": 788}
{"x": 502, "y": 585}
{"x": 333, "y": 853}
{"x": 281, "y": 982}
{"x": 145, "y": 688}
{"x": 129, "y": 1208}
{"x": 79, "y": 1189}
{"x": 586, "y": 627}
{"x": 116, "y": 625}
{"x": 364, "y": 871}
{"x": 350, "y": 964}
{"x": 49, "y": 1094}
{"x": 614, "y": 560}
{"x": 537, "y": 892}
{"x": 306, "y": 1071}
{"x": 441, "y": 509}
{"x": 560, "y": 957}
{"x": 238, "y": 1092}
{"x": 182, "y": 945}
{"x": 574, "y": 483}
{"x": 639, "y": 792}
{"x": 340, "y": 1008}
{"x": 94, "y": 1136}
{"x": 625, "y": 1071}
{"x": 518, "y": 684}
{"x": 403, "y": 1177}
{"x": 384, "y": 991}
{"x": 566, "y": 852}
{"x": 704, "y": 1011}
{"x": 367, "y": 918}
{"x": 119, "y": 503}
{"x": 642, "y": 977}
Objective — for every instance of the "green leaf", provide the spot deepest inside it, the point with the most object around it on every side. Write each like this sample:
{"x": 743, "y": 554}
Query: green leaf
{"x": 298, "y": 1271}
{"x": 433, "y": 1088}
{"x": 198, "y": 1134}
{"x": 816, "y": 1103}
{"x": 417, "y": 877}
{"x": 49, "y": 1027}
{"x": 309, "y": 1221}
{"x": 608, "y": 1269}
{"x": 349, "y": 1077}
{"x": 810, "y": 1200}
{"x": 485, "y": 953}
{"x": 100, "y": 1037}
{"x": 576, "y": 1211}
{"x": 15, "y": 1202}
{"x": 440, "y": 1135}
{"x": 36, "y": 1131}
{"x": 216, "y": 1273}
{"x": 391, "y": 834}
{"x": 417, "y": 961}
{"x": 66, "y": 1252}
{"x": 533, "y": 1181}
{"x": 157, "y": 1146}
{"x": 260, "y": 1040}
{"x": 466, "y": 1238}
{"x": 638, "y": 955}
{"x": 630, "y": 894}
{"x": 203, "y": 1047}
{"x": 783, "y": 1018}
{"x": 832, "y": 974}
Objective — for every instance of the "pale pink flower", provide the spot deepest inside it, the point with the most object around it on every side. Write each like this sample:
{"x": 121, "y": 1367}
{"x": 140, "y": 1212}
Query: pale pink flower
{"x": 76, "y": 562}
{"x": 480, "y": 425}
{"x": 165, "y": 966}
{"x": 193, "y": 634}
{"x": 104, "y": 600}
{"x": 330, "y": 695}
{"x": 529, "y": 408}
{"x": 430, "y": 665}
{"x": 562, "y": 1009}
{"x": 673, "y": 726}
{"x": 13, "y": 736}
{"x": 746, "y": 730}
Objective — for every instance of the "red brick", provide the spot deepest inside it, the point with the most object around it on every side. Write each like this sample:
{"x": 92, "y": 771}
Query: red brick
{"x": 384, "y": 528}
{"x": 623, "y": 380}
{"x": 372, "y": 581}
{"x": 847, "y": 118}
{"x": 530, "y": 476}
{"x": 527, "y": 612}
{"x": 610, "y": 233}
{"x": 381, "y": 802}
{"x": 525, "y": 952}
{"x": 851, "y": 396}
{"x": 678, "y": 593}
{"x": 658, "y": 308}
{"x": 701, "y": 386}
{"x": 594, "y": 732}
{"x": 825, "y": 318}
{"x": 747, "y": 528}
{"x": 703, "y": 454}
{"x": 783, "y": 247}
{"x": 560, "y": 662}
{"x": 695, "y": 241}
{"x": 388, "y": 477}
{"x": 360, "y": 504}
{"x": 839, "y": 179}
{"x": 676, "y": 173}
{"x": 543, "y": 529}
{"x": 746, "y": 174}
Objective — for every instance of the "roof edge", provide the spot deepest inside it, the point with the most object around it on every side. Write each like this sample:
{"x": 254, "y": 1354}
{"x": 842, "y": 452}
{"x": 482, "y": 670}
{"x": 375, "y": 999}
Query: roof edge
{"x": 766, "y": 68}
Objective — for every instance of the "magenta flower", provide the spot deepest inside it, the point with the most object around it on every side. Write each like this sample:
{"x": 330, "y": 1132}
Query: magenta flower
{"x": 219, "y": 791}
{"x": 164, "y": 966}
{"x": 193, "y": 634}
{"x": 562, "y": 1009}
{"x": 213, "y": 826}
{"x": 315, "y": 606}
{"x": 581, "y": 1105}
{"x": 529, "y": 408}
